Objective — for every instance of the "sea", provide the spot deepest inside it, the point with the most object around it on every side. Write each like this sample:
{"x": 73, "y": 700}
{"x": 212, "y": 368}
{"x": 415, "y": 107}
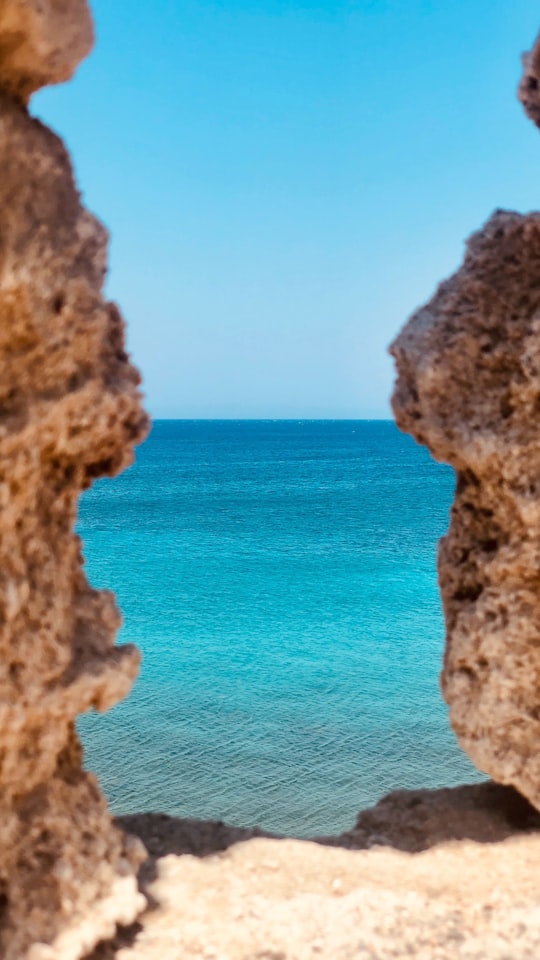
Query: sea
{"x": 279, "y": 577}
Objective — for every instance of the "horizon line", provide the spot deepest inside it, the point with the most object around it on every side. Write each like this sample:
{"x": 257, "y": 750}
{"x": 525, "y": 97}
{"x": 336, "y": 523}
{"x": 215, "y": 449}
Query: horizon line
{"x": 276, "y": 419}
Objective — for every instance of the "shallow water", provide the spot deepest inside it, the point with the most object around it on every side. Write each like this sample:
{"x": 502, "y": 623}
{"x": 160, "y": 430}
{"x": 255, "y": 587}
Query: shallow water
{"x": 279, "y": 577}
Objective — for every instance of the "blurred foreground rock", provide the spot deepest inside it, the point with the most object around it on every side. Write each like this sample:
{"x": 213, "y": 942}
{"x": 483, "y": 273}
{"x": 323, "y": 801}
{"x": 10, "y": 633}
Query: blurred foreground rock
{"x": 69, "y": 412}
{"x": 431, "y": 875}
{"x": 529, "y": 87}
{"x": 41, "y": 42}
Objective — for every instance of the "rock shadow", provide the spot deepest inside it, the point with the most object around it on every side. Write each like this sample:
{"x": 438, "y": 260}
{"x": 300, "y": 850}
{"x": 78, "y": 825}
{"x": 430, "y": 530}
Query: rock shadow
{"x": 408, "y": 820}
{"x": 415, "y": 820}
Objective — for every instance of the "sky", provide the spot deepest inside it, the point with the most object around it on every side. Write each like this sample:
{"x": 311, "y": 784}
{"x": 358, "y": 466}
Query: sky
{"x": 284, "y": 182}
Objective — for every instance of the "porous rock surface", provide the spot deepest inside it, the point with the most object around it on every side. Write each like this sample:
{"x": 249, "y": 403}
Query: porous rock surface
{"x": 469, "y": 388}
{"x": 69, "y": 412}
{"x": 529, "y": 87}
{"x": 41, "y": 42}
{"x": 431, "y": 875}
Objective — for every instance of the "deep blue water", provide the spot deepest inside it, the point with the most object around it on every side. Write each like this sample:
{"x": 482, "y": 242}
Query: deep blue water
{"x": 279, "y": 577}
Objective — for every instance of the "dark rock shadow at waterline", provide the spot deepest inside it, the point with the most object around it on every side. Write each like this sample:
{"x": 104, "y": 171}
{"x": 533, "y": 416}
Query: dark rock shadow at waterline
{"x": 408, "y": 820}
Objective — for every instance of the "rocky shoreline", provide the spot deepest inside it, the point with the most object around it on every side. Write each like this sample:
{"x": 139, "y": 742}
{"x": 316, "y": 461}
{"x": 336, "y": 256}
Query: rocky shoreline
{"x": 429, "y": 874}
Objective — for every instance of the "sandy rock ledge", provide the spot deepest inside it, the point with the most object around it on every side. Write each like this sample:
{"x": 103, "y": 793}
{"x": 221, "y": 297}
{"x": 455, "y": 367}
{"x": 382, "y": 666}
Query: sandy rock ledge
{"x": 433, "y": 875}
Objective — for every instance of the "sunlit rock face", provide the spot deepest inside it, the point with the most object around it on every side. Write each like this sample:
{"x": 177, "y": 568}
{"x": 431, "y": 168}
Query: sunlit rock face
{"x": 468, "y": 387}
{"x": 69, "y": 412}
{"x": 41, "y": 42}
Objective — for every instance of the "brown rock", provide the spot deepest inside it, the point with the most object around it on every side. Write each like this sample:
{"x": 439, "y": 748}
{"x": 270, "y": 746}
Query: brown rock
{"x": 529, "y": 87}
{"x": 469, "y": 388}
{"x": 69, "y": 412}
{"x": 415, "y": 820}
{"x": 41, "y": 42}
{"x": 293, "y": 900}
{"x": 471, "y": 893}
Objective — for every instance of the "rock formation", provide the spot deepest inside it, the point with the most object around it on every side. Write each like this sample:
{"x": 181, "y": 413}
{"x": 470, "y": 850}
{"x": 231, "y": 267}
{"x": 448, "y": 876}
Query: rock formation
{"x": 69, "y": 412}
{"x": 429, "y": 875}
{"x": 41, "y": 42}
{"x": 469, "y": 388}
{"x": 529, "y": 88}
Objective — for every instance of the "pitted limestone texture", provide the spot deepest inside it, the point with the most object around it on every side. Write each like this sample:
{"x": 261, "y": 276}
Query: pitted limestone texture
{"x": 529, "y": 87}
{"x": 41, "y": 42}
{"x": 70, "y": 411}
{"x": 468, "y": 387}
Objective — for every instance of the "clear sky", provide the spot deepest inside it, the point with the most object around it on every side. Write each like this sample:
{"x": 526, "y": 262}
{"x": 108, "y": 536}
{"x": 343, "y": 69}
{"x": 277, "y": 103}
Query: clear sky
{"x": 285, "y": 181}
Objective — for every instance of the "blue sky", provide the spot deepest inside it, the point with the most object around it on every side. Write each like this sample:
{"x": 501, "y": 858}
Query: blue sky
{"x": 284, "y": 182}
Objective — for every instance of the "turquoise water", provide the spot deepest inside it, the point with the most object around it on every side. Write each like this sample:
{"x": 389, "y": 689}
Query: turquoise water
{"x": 279, "y": 578}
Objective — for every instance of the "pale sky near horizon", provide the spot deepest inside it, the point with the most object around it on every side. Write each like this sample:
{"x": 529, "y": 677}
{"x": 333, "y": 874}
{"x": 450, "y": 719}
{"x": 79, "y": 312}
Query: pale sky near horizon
{"x": 285, "y": 181}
